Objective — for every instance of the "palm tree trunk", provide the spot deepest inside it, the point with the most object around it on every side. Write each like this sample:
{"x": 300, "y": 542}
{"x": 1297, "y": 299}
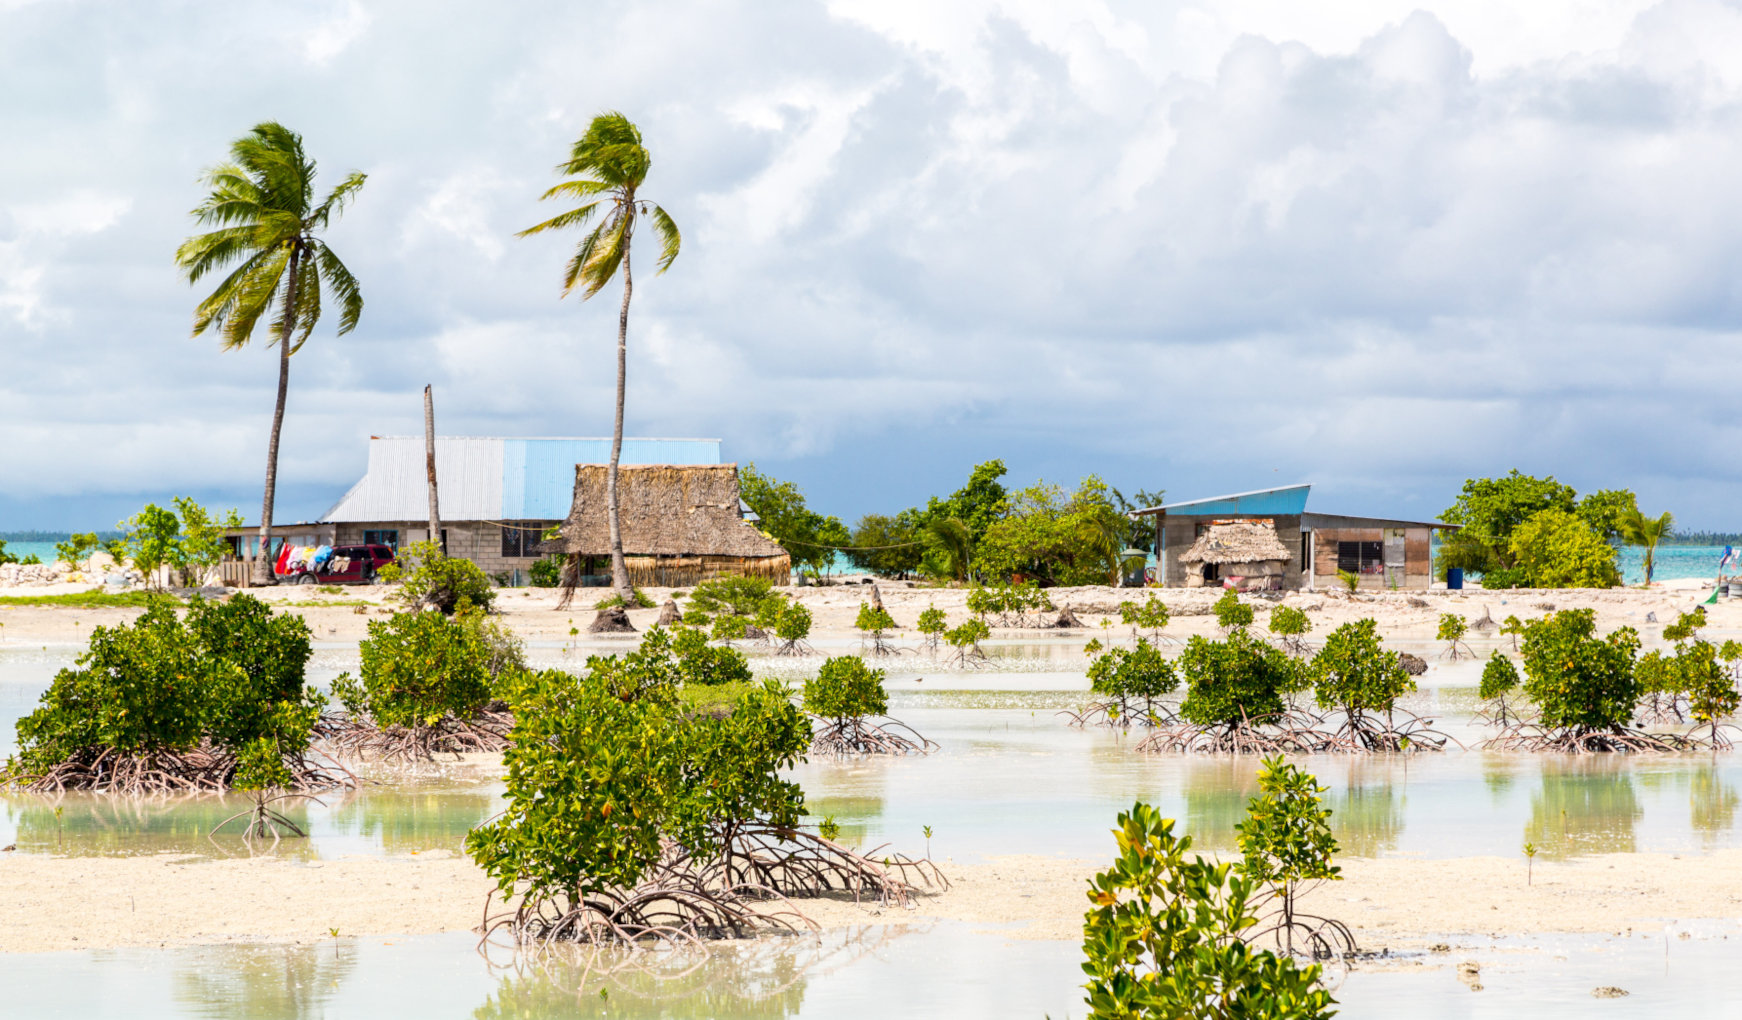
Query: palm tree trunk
{"x": 619, "y": 569}
{"x": 263, "y": 560}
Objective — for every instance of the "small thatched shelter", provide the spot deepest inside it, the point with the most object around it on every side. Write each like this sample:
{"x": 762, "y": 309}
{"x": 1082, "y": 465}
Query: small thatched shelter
{"x": 681, "y": 526}
{"x": 1245, "y": 554}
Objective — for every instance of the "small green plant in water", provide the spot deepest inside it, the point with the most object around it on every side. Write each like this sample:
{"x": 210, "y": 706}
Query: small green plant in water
{"x": 1452, "y": 630}
{"x": 1286, "y": 844}
{"x": 1529, "y": 862}
{"x": 872, "y": 622}
{"x": 1290, "y": 625}
{"x": 1231, "y": 613}
{"x": 1166, "y": 937}
{"x": 932, "y": 625}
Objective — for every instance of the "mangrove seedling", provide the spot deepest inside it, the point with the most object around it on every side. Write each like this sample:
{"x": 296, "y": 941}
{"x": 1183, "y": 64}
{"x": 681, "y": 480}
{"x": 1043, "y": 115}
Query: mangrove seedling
{"x": 843, "y": 697}
{"x": 1355, "y": 675}
{"x": 829, "y": 829}
{"x": 1231, "y": 613}
{"x": 965, "y": 638}
{"x": 1290, "y": 625}
{"x": 425, "y": 687}
{"x": 1234, "y": 700}
{"x": 1165, "y": 936}
{"x": 1150, "y": 615}
{"x": 1529, "y": 862}
{"x": 927, "y": 830}
{"x": 792, "y": 625}
{"x": 1513, "y": 626}
{"x": 1583, "y": 686}
{"x": 699, "y": 662}
{"x": 1452, "y": 630}
{"x": 873, "y": 621}
{"x": 1286, "y": 845}
{"x": 728, "y": 628}
{"x": 1499, "y": 678}
{"x": 1132, "y": 682}
{"x": 932, "y": 626}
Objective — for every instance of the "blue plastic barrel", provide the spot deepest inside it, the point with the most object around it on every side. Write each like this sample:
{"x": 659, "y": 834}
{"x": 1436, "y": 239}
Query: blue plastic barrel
{"x": 1455, "y": 578}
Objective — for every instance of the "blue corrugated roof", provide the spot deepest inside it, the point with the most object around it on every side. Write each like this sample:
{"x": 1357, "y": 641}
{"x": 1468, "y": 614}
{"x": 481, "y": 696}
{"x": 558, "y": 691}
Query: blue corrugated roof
{"x": 1281, "y": 501}
{"x": 538, "y": 475}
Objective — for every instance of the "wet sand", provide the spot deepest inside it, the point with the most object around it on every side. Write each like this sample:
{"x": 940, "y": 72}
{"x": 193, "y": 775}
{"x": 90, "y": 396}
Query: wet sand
{"x": 58, "y": 903}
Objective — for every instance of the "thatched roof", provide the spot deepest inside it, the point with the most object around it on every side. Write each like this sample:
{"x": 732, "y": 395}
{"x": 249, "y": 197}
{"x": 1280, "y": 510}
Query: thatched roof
{"x": 666, "y": 510}
{"x": 1236, "y": 543}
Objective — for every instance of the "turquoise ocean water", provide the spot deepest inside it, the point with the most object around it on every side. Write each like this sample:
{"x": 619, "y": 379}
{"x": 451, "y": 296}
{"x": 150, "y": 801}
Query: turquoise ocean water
{"x": 43, "y": 551}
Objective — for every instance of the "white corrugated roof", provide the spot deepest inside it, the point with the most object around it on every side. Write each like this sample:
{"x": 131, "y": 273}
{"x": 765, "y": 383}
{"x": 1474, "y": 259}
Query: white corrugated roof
{"x": 396, "y": 486}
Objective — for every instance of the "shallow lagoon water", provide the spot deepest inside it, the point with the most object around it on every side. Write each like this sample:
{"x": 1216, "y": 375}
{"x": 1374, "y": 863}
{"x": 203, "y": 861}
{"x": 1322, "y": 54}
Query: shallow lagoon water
{"x": 948, "y": 969}
{"x": 1011, "y": 778}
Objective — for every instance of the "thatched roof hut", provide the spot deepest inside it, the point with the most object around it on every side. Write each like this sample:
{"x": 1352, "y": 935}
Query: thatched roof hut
{"x": 1249, "y": 551}
{"x": 681, "y": 525}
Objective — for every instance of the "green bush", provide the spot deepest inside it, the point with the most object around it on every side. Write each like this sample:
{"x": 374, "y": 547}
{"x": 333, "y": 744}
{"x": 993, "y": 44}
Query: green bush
{"x": 1231, "y": 613}
{"x": 1238, "y": 681}
{"x": 1579, "y": 681}
{"x": 76, "y": 549}
{"x": 703, "y": 664}
{"x": 1355, "y": 673}
{"x": 547, "y": 572}
{"x": 738, "y": 596}
{"x": 1151, "y": 615}
{"x": 427, "y": 577}
{"x": 611, "y": 601}
{"x": 874, "y": 620}
{"x": 1163, "y": 937}
{"x": 1291, "y": 625}
{"x": 793, "y": 623}
{"x": 968, "y": 634}
{"x": 230, "y": 678}
{"x": 1129, "y": 676}
{"x": 1557, "y": 549}
{"x": 932, "y": 622}
{"x": 418, "y": 669}
{"x": 845, "y": 688}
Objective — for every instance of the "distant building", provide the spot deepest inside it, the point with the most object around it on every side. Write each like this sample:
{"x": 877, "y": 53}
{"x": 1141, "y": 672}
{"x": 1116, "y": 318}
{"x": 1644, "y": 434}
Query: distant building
{"x": 1197, "y": 543}
{"x": 497, "y": 495}
{"x": 681, "y": 525}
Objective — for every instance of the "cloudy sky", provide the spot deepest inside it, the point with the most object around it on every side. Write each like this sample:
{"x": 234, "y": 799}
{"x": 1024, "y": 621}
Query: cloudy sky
{"x": 1207, "y": 247}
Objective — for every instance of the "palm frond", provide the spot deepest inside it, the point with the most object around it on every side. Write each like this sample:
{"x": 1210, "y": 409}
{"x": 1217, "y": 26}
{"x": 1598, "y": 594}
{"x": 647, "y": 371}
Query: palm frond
{"x": 203, "y": 253}
{"x": 669, "y": 239}
{"x": 218, "y": 306}
{"x": 607, "y": 255}
{"x": 308, "y": 304}
{"x": 580, "y": 188}
{"x": 344, "y": 287}
{"x": 254, "y": 296}
{"x": 577, "y": 263}
{"x": 573, "y": 218}
{"x": 610, "y": 151}
{"x": 341, "y": 196}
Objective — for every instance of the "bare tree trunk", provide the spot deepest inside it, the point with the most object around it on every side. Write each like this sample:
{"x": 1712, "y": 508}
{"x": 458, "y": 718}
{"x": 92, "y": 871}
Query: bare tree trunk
{"x": 435, "y": 516}
{"x": 263, "y": 559}
{"x": 619, "y": 569}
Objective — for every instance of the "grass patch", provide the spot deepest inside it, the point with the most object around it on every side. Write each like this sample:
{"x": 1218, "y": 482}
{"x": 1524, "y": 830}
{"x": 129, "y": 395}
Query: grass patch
{"x": 93, "y": 599}
{"x": 700, "y": 699}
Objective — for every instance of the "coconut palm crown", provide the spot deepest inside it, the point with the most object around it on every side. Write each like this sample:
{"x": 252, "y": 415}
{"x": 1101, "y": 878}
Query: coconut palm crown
{"x": 606, "y": 170}
{"x": 263, "y": 204}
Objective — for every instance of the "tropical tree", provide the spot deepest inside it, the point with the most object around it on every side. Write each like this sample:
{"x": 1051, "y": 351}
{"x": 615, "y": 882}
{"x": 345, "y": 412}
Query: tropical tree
{"x": 264, "y": 207}
{"x": 606, "y": 169}
{"x": 1647, "y": 532}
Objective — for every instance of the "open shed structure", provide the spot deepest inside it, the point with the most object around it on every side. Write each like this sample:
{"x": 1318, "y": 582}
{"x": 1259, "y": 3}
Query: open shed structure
{"x": 682, "y": 525}
{"x": 1382, "y": 552}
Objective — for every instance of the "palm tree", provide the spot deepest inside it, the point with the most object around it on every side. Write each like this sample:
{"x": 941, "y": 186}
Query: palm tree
{"x": 951, "y": 538}
{"x": 607, "y": 168}
{"x": 262, "y": 201}
{"x": 1646, "y": 531}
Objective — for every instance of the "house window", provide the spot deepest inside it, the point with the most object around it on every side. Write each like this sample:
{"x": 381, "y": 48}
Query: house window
{"x": 388, "y": 537}
{"x": 1361, "y": 557}
{"x": 521, "y": 540}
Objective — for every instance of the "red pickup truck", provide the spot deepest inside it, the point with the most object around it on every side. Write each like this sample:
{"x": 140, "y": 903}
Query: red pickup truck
{"x": 349, "y": 564}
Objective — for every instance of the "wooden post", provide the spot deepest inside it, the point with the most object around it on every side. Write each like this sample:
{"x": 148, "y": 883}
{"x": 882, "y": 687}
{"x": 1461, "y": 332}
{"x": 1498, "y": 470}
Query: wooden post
{"x": 435, "y": 515}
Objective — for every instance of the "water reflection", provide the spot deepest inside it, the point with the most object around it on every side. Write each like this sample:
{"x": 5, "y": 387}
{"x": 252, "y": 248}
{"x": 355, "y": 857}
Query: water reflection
{"x": 1711, "y": 805}
{"x": 265, "y": 982}
{"x": 102, "y": 825}
{"x": 411, "y": 819}
{"x": 1367, "y": 815}
{"x": 764, "y": 978}
{"x": 1585, "y": 806}
{"x": 1216, "y": 791}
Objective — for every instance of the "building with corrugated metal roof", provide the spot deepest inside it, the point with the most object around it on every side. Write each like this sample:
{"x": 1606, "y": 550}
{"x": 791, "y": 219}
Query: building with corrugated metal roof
{"x": 497, "y": 495}
{"x": 1381, "y": 552}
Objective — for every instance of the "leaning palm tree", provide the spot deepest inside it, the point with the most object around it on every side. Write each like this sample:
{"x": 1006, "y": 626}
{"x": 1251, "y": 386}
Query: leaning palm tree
{"x": 606, "y": 169}
{"x": 262, "y": 202}
{"x": 1647, "y": 532}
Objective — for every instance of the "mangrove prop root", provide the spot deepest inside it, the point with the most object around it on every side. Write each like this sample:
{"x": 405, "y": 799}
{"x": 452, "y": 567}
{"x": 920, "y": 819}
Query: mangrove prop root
{"x": 1533, "y": 736}
{"x": 1299, "y": 732}
{"x": 357, "y": 738}
{"x": 204, "y": 769}
{"x": 265, "y": 820}
{"x": 858, "y": 736}
{"x": 745, "y": 888}
{"x": 1122, "y": 714}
